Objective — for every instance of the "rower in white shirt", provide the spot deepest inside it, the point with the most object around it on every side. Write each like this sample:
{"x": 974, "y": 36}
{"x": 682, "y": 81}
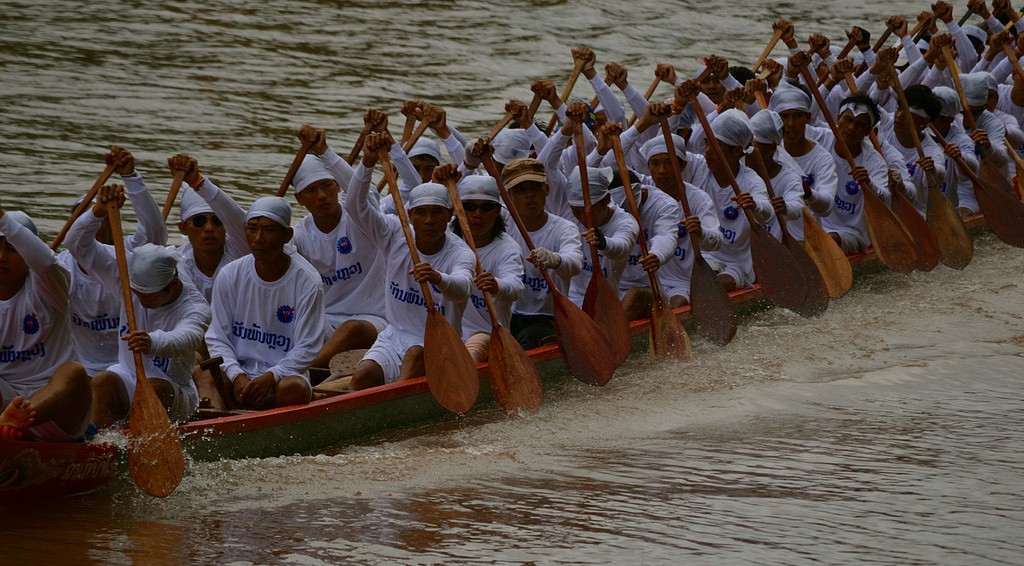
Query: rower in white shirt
{"x": 268, "y": 314}
{"x": 44, "y": 394}
{"x": 171, "y": 317}
{"x": 447, "y": 264}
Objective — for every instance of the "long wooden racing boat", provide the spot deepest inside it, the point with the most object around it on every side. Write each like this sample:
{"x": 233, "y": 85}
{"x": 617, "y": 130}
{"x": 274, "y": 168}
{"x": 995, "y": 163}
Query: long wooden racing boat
{"x": 30, "y": 471}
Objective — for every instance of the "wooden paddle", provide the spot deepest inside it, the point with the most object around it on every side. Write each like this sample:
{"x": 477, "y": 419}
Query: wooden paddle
{"x": 357, "y": 148}
{"x": 610, "y": 317}
{"x": 668, "y": 338}
{"x": 299, "y": 156}
{"x": 451, "y": 371}
{"x": 889, "y": 236}
{"x": 883, "y": 38}
{"x": 817, "y": 292}
{"x": 1018, "y": 168}
{"x": 777, "y": 271}
{"x": 1003, "y": 212}
{"x": 713, "y": 312}
{"x": 927, "y": 246}
{"x": 576, "y": 70}
{"x": 84, "y": 205}
{"x": 500, "y": 125}
{"x": 155, "y": 458}
{"x": 515, "y": 382}
{"x": 583, "y": 345}
{"x": 966, "y": 16}
{"x": 406, "y": 146}
{"x": 767, "y": 49}
{"x": 842, "y": 55}
{"x": 172, "y": 193}
{"x": 832, "y": 263}
{"x": 952, "y": 238}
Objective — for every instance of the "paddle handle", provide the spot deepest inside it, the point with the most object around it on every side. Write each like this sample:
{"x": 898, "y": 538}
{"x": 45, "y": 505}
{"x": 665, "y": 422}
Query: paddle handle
{"x": 620, "y": 160}
{"x": 299, "y": 156}
{"x": 965, "y": 17}
{"x": 588, "y": 212}
{"x": 907, "y": 115}
{"x": 172, "y": 193}
{"x": 768, "y": 49}
{"x": 954, "y": 72}
{"x": 647, "y": 96}
{"x": 677, "y": 178}
{"x": 881, "y": 40}
{"x": 1011, "y": 54}
{"x": 358, "y": 146}
{"x": 534, "y": 106}
{"x": 117, "y": 233}
{"x": 500, "y": 125}
{"x": 959, "y": 160}
{"x": 410, "y": 240}
{"x": 575, "y": 74}
{"x": 467, "y": 235}
{"x": 83, "y": 206}
{"x": 840, "y": 143}
{"x": 410, "y": 122}
{"x": 762, "y": 171}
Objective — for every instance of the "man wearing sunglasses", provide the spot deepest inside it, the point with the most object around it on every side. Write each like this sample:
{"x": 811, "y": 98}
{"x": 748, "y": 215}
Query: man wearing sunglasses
{"x": 212, "y": 222}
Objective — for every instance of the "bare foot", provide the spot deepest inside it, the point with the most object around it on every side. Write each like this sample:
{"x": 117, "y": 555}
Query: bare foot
{"x": 18, "y": 416}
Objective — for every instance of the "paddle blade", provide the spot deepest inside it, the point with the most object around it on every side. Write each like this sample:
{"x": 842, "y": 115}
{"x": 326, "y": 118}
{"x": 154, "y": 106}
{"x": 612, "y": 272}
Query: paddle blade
{"x": 816, "y": 301}
{"x": 1004, "y": 214}
{"x": 889, "y": 237}
{"x": 712, "y": 310}
{"x": 514, "y": 379}
{"x": 451, "y": 372}
{"x": 155, "y": 458}
{"x": 606, "y": 310}
{"x": 925, "y": 242}
{"x": 955, "y": 246}
{"x": 833, "y": 265}
{"x": 586, "y": 351}
{"x": 668, "y": 338}
{"x": 781, "y": 280}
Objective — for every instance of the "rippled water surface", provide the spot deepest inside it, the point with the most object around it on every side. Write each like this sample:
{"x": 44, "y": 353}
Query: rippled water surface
{"x": 887, "y": 431}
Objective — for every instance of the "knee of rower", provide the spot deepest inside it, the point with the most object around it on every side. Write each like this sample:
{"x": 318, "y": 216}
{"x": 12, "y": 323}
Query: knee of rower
{"x": 293, "y": 390}
{"x": 368, "y": 374}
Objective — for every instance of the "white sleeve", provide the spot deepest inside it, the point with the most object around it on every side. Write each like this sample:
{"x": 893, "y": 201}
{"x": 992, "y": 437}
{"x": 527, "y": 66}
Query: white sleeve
{"x": 612, "y": 106}
{"x": 229, "y": 212}
{"x": 54, "y": 280}
{"x": 187, "y": 334}
{"x": 339, "y": 168}
{"x": 152, "y": 228}
{"x": 367, "y": 217}
{"x": 90, "y": 254}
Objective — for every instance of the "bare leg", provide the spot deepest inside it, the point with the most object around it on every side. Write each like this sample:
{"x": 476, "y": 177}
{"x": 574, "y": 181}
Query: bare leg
{"x": 477, "y": 346}
{"x": 412, "y": 363}
{"x": 291, "y": 390}
{"x": 65, "y": 400}
{"x": 207, "y": 389}
{"x": 164, "y": 392}
{"x": 353, "y": 335}
{"x": 368, "y": 374}
{"x": 109, "y": 399}
{"x": 637, "y": 302}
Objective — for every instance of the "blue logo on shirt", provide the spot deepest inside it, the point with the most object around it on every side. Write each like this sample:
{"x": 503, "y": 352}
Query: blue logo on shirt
{"x": 285, "y": 314}
{"x": 681, "y": 231}
{"x": 344, "y": 245}
{"x": 808, "y": 180}
{"x": 31, "y": 324}
{"x": 911, "y": 168}
{"x": 852, "y": 188}
{"x": 732, "y": 212}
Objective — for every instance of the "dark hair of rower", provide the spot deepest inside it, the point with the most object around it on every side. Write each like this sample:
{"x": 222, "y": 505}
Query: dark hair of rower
{"x": 920, "y": 96}
{"x": 499, "y": 227}
{"x": 741, "y": 74}
{"x": 866, "y": 101}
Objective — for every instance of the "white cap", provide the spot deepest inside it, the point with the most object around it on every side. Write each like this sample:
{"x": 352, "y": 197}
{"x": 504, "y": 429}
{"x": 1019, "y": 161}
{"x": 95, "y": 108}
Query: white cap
{"x": 599, "y": 179}
{"x": 656, "y": 146}
{"x": 790, "y": 99}
{"x": 479, "y": 187}
{"x": 23, "y": 219}
{"x": 428, "y": 194}
{"x": 311, "y": 171}
{"x": 274, "y": 208}
{"x": 767, "y": 127}
{"x": 858, "y": 108}
{"x": 732, "y": 127}
{"x": 192, "y": 204}
{"x": 950, "y": 101}
{"x": 425, "y": 147}
{"x": 976, "y": 87}
{"x": 510, "y": 145}
{"x": 151, "y": 268}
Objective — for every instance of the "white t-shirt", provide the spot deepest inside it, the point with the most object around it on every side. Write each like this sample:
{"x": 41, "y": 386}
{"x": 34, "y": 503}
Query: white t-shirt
{"x": 817, "y": 170}
{"x": 560, "y": 236}
{"x": 34, "y": 334}
{"x": 660, "y": 216}
{"x": 848, "y": 214}
{"x": 403, "y": 300}
{"x": 503, "y": 259}
{"x": 620, "y": 233}
{"x": 674, "y": 275}
{"x": 267, "y": 326}
{"x": 733, "y": 224}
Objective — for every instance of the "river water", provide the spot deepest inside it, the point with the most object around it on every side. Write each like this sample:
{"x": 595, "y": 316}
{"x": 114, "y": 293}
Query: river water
{"x": 887, "y": 431}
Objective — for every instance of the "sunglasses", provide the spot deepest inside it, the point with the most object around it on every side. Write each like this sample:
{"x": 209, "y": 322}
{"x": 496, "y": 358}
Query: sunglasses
{"x": 199, "y": 220}
{"x": 485, "y": 207}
